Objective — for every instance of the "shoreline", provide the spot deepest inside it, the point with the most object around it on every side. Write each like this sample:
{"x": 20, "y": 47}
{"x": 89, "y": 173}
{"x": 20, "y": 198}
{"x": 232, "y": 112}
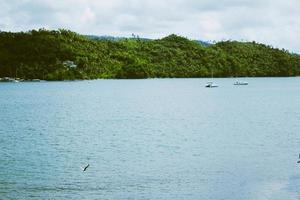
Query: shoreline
{"x": 19, "y": 80}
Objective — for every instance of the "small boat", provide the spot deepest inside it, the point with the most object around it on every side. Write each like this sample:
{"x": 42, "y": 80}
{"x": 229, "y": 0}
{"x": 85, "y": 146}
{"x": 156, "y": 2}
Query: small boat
{"x": 211, "y": 85}
{"x": 240, "y": 83}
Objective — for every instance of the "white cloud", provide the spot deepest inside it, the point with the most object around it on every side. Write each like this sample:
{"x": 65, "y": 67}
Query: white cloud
{"x": 271, "y": 22}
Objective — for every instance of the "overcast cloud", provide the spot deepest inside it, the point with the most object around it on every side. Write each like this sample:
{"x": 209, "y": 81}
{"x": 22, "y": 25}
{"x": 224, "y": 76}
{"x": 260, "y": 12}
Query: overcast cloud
{"x": 274, "y": 22}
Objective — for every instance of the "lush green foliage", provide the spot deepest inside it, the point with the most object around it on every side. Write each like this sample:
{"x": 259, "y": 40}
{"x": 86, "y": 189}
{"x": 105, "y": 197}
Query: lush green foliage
{"x": 42, "y": 54}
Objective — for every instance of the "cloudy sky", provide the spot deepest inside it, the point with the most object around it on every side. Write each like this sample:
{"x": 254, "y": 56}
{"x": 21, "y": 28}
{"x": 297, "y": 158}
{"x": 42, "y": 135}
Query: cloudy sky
{"x": 274, "y": 22}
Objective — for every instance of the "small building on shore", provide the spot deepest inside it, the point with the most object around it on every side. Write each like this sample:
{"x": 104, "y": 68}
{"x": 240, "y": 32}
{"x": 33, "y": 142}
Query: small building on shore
{"x": 69, "y": 63}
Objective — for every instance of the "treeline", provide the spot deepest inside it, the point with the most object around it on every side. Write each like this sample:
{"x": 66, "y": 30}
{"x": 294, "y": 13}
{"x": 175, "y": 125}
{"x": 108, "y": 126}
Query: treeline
{"x": 62, "y": 54}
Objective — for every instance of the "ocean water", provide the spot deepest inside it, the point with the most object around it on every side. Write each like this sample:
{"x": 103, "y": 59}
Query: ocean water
{"x": 168, "y": 139}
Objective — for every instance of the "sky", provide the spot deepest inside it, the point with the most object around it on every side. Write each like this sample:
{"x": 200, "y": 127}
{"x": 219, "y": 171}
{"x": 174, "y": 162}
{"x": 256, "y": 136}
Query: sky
{"x": 272, "y": 22}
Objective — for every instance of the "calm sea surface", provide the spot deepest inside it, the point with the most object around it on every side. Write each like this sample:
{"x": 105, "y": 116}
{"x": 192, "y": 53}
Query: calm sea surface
{"x": 168, "y": 139}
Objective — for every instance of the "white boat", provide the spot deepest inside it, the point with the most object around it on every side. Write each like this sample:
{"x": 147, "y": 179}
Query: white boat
{"x": 240, "y": 83}
{"x": 211, "y": 85}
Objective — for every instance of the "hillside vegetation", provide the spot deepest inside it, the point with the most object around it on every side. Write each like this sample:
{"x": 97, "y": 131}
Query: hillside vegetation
{"x": 47, "y": 55}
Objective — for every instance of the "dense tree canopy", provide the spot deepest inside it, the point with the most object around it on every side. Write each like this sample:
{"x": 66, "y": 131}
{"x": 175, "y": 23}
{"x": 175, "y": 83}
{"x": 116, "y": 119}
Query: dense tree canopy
{"x": 43, "y": 54}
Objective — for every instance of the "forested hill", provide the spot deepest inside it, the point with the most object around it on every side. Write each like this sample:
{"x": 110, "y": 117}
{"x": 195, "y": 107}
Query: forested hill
{"x": 59, "y": 55}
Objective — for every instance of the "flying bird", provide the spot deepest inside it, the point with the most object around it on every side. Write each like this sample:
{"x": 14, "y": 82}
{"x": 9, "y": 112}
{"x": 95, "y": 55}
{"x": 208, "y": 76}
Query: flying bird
{"x": 85, "y": 168}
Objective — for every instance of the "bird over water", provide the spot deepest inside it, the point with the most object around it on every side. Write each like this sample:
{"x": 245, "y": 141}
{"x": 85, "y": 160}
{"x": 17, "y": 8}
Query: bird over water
{"x": 85, "y": 168}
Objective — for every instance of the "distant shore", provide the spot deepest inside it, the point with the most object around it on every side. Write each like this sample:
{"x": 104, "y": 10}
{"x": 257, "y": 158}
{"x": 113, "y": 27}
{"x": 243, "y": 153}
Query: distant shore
{"x": 19, "y": 80}
{"x": 16, "y": 80}
{"x": 65, "y": 55}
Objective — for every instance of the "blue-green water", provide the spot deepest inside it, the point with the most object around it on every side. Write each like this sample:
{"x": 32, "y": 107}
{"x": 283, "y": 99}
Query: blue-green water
{"x": 150, "y": 139}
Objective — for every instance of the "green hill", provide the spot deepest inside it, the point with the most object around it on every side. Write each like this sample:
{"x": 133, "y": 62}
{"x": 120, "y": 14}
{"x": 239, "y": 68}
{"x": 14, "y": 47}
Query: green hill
{"x": 59, "y": 55}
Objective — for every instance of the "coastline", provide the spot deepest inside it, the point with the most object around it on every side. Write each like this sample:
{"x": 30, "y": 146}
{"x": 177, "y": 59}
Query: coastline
{"x": 19, "y": 80}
